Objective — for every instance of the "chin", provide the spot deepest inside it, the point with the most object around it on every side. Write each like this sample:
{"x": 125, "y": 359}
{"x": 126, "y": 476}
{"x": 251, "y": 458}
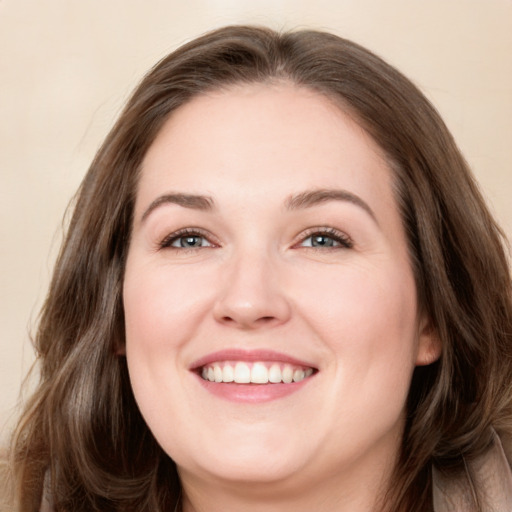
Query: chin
{"x": 248, "y": 471}
{"x": 256, "y": 459}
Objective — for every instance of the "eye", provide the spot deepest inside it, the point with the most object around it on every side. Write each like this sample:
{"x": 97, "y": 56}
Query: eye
{"x": 326, "y": 238}
{"x": 190, "y": 241}
{"x": 186, "y": 239}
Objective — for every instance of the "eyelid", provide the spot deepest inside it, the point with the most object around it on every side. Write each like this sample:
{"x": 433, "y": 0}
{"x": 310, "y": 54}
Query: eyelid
{"x": 339, "y": 236}
{"x": 166, "y": 242}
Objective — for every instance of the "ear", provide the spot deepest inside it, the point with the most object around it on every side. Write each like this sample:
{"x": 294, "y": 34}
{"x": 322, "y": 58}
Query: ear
{"x": 429, "y": 344}
{"x": 120, "y": 349}
{"x": 119, "y": 341}
{"x": 119, "y": 345}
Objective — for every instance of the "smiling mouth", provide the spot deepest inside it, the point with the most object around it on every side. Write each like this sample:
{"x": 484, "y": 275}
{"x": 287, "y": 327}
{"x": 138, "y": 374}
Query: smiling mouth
{"x": 257, "y": 372}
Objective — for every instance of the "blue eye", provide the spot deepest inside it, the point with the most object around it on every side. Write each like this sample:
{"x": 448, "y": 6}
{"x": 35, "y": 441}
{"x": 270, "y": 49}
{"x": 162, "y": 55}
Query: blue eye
{"x": 327, "y": 239}
{"x": 190, "y": 242}
{"x": 320, "y": 241}
{"x": 185, "y": 239}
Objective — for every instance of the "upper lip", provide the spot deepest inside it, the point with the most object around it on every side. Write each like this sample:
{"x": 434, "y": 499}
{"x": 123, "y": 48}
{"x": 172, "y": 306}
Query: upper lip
{"x": 249, "y": 356}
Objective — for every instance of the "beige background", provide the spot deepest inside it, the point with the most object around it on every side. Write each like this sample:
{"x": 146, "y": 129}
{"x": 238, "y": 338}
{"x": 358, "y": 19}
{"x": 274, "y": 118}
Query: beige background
{"x": 66, "y": 66}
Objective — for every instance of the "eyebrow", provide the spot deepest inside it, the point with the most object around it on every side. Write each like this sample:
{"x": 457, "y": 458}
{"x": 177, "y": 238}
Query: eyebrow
{"x": 306, "y": 199}
{"x": 311, "y": 198}
{"x": 194, "y": 202}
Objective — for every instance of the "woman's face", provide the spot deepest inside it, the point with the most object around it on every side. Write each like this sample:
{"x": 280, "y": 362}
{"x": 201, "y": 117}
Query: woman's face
{"x": 267, "y": 247}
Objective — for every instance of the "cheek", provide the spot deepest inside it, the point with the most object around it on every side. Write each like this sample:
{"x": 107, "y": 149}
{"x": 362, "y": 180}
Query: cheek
{"x": 160, "y": 316}
{"x": 162, "y": 306}
{"x": 364, "y": 299}
{"x": 374, "y": 336}
{"x": 368, "y": 318}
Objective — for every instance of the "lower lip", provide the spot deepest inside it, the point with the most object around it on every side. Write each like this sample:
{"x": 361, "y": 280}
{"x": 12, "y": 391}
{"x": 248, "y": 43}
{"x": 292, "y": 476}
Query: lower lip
{"x": 252, "y": 393}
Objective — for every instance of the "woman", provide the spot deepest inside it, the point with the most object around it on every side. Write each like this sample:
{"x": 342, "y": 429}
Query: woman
{"x": 280, "y": 289}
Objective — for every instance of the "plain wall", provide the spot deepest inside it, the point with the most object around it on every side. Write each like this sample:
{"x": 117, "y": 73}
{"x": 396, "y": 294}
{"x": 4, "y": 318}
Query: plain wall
{"x": 66, "y": 67}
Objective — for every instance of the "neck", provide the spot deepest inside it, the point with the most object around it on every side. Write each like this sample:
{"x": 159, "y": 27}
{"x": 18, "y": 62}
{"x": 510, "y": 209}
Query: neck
{"x": 355, "y": 491}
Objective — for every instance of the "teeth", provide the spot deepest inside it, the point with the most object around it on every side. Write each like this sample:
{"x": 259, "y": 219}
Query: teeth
{"x": 242, "y": 373}
{"x": 217, "y": 373}
{"x": 274, "y": 374}
{"x": 298, "y": 375}
{"x": 287, "y": 374}
{"x": 259, "y": 373}
{"x": 254, "y": 373}
{"x": 228, "y": 374}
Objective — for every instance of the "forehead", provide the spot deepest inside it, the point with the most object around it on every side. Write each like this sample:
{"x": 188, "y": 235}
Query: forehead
{"x": 260, "y": 139}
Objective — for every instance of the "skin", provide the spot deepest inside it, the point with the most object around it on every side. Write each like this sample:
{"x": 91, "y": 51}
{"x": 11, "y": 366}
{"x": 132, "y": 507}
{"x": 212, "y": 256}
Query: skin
{"x": 255, "y": 282}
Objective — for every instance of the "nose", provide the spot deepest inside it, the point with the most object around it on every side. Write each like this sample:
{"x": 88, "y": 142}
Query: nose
{"x": 252, "y": 295}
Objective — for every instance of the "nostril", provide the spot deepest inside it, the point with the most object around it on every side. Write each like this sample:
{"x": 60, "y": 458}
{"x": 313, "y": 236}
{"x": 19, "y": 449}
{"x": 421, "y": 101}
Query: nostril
{"x": 246, "y": 313}
{"x": 263, "y": 320}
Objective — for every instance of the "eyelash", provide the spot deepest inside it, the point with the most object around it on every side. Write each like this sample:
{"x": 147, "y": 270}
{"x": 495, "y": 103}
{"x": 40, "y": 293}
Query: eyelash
{"x": 167, "y": 242}
{"x": 344, "y": 241}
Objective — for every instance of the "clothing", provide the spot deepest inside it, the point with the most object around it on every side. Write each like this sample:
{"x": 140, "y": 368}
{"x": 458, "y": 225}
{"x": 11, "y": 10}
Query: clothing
{"x": 491, "y": 474}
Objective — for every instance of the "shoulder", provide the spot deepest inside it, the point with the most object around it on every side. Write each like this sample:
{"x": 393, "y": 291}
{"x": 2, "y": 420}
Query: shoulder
{"x": 46, "y": 505}
{"x": 489, "y": 475}
{"x": 5, "y": 505}
{"x": 46, "y": 502}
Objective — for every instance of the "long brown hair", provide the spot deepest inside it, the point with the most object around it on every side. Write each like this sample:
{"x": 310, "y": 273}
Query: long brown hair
{"x": 82, "y": 433}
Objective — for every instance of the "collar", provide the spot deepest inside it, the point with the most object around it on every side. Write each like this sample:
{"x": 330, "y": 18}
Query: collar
{"x": 489, "y": 474}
